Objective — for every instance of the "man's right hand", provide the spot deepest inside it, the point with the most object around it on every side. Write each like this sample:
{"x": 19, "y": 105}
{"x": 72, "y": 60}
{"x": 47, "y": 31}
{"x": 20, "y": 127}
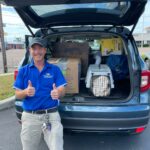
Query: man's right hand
{"x": 30, "y": 90}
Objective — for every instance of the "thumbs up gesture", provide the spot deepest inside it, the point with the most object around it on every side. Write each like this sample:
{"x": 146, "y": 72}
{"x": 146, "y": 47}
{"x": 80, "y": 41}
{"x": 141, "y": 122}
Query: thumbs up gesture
{"x": 55, "y": 93}
{"x": 30, "y": 91}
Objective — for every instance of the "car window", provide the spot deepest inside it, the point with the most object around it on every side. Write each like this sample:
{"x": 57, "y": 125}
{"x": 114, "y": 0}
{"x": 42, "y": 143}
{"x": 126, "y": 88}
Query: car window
{"x": 118, "y": 8}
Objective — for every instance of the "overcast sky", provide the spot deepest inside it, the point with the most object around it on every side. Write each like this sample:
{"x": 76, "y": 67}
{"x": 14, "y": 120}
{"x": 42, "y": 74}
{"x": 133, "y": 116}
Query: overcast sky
{"x": 15, "y": 27}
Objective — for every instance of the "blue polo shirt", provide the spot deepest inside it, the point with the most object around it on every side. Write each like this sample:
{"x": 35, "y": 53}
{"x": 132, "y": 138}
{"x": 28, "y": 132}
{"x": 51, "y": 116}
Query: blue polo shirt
{"x": 42, "y": 81}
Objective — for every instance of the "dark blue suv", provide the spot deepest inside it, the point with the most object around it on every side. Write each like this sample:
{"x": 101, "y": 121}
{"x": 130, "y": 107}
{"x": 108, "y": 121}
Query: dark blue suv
{"x": 81, "y": 29}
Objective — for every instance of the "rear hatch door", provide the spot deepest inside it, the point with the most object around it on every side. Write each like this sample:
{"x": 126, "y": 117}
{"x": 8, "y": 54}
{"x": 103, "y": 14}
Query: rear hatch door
{"x": 48, "y": 13}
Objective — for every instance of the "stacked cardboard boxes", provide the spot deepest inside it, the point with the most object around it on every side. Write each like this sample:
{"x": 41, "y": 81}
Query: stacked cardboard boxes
{"x": 71, "y": 69}
{"x": 73, "y": 50}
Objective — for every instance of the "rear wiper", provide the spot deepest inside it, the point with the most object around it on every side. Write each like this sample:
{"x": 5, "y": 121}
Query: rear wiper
{"x": 108, "y": 29}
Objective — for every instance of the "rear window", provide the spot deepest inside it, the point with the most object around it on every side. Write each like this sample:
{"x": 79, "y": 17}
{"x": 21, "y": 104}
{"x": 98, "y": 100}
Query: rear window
{"x": 116, "y": 8}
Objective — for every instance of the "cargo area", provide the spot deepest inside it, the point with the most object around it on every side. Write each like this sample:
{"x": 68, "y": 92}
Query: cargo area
{"x": 95, "y": 65}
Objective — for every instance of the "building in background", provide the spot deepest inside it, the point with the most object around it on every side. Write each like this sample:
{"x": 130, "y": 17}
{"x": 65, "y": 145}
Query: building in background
{"x": 143, "y": 39}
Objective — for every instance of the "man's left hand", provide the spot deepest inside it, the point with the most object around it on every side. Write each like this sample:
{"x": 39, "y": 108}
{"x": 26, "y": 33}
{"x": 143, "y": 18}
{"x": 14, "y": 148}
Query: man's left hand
{"x": 55, "y": 93}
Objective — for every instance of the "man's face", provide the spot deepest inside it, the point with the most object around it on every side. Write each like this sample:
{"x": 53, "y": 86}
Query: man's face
{"x": 37, "y": 52}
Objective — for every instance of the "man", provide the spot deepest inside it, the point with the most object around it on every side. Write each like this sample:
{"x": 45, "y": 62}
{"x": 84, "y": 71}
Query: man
{"x": 40, "y": 85}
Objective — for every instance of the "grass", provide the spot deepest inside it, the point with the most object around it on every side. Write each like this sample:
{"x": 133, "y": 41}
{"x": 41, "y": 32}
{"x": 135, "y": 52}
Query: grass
{"x": 6, "y": 83}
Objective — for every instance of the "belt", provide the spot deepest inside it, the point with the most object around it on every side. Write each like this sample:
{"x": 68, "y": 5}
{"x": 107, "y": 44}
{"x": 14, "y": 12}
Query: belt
{"x": 43, "y": 111}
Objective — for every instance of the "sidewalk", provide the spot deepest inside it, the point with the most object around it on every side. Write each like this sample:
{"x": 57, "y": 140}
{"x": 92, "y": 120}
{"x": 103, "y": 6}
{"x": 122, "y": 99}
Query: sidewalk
{"x": 7, "y": 103}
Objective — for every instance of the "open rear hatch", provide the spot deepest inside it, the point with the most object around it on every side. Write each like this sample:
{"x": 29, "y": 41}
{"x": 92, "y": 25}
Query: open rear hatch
{"x": 47, "y": 13}
{"x": 52, "y": 13}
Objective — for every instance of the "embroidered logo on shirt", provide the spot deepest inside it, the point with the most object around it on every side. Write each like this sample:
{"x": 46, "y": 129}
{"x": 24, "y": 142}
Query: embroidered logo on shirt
{"x": 48, "y": 75}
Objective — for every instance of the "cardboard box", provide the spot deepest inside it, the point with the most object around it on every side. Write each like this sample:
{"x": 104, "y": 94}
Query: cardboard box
{"x": 71, "y": 69}
{"x": 73, "y": 50}
{"x": 112, "y": 45}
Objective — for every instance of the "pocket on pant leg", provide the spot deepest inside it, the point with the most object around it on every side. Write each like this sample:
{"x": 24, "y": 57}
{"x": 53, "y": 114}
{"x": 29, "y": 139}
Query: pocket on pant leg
{"x": 56, "y": 136}
{"x": 54, "y": 116}
{"x": 31, "y": 130}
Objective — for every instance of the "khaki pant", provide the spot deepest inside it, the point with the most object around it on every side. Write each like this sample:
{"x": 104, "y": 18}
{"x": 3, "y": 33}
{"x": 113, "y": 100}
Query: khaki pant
{"x": 32, "y": 133}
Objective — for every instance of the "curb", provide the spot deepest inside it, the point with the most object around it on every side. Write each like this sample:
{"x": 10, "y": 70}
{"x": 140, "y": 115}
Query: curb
{"x": 7, "y": 103}
{"x": 6, "y": 74}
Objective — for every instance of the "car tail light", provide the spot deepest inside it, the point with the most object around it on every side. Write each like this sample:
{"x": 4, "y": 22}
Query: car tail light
{"x": 139, "y": 130}
{"x": 15, "y": 74}
{"x": 145, "y": 80}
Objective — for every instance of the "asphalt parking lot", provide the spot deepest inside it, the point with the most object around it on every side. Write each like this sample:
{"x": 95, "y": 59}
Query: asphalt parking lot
{"x": 14, "y": 56}
{"x": 10, "y": 138}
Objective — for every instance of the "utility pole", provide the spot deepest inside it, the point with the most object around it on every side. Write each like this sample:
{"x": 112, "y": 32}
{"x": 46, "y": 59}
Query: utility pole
{"x": 3, "y": 43}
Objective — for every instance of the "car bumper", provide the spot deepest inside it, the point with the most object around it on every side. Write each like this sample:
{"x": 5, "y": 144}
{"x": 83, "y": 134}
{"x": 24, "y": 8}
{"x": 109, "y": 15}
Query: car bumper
{"x": 100, "y": 118}
{"x": 104, "y": 118}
